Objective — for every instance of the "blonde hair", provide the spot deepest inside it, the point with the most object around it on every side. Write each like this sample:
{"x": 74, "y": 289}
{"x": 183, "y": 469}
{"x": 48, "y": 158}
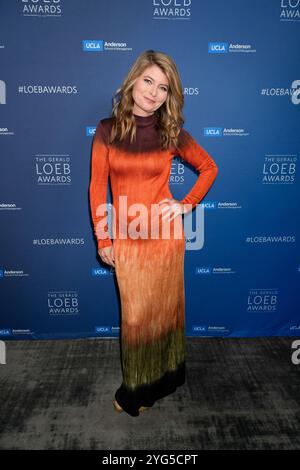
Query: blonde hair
{"x": 169, "y": 116}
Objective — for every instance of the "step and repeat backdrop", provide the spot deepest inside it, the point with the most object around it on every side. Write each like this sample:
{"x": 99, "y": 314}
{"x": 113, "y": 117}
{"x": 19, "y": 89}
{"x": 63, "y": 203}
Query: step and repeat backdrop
{"x": 61, "y": 61}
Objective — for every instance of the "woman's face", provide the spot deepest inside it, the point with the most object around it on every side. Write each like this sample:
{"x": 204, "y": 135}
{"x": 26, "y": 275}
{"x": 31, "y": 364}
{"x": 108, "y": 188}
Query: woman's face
{"x": 150, "y": 91}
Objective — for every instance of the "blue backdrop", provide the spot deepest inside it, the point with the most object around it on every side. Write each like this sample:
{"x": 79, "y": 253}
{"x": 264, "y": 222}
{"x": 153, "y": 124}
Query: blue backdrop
{"x": 60, "y": 63}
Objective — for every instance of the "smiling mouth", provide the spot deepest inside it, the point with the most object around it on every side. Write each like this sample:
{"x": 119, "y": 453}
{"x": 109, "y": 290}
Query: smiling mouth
{"x": 148, "y": 99}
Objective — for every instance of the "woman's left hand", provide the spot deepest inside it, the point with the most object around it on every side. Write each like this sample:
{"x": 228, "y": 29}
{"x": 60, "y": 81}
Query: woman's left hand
{"x": 174, "y": 208}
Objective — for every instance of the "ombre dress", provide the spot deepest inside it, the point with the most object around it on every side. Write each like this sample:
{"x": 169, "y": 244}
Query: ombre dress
{"x": 149, "y": 267}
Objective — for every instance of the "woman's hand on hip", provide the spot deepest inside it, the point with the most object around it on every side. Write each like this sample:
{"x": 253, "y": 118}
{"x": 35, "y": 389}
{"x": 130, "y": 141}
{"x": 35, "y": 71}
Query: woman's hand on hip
{"x": 172, "y": 209}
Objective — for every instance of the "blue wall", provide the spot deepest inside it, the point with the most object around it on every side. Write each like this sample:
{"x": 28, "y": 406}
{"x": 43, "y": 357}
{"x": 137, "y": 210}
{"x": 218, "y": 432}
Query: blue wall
{"x": 60, "y": 64}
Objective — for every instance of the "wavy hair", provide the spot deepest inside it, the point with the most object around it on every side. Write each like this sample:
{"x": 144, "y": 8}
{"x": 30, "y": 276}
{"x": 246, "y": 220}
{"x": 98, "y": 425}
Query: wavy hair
{"x": 169, "y": 117}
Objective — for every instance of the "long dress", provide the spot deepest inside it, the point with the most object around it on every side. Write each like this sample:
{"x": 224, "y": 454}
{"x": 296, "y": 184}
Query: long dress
{"x": 149, "y": 266}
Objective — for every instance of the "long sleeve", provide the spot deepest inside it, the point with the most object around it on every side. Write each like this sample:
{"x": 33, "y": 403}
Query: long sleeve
{"x": 98, "y": 186}
{"x": 194, "y": 154}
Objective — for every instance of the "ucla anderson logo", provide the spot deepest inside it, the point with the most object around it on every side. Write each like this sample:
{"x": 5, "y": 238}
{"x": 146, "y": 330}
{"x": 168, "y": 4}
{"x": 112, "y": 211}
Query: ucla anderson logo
{"x": 92, "y": 45}
{"x": 217, "y": 47}
{"x": 102, "y": 330}
{"x": 5, "y": 332}
{"x": 213, "y": 131}
{"x": 90, "y": 131}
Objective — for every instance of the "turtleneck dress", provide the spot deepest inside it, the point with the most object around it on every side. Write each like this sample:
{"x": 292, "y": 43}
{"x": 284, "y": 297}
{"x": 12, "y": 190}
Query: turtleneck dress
{"x": 149, "y": 253}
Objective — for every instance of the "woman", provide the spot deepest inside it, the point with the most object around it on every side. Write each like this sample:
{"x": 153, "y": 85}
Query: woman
{"x": 135, "y": 148}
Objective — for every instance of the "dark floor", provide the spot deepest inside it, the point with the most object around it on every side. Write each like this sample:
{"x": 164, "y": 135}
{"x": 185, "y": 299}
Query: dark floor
{"x": 239, "y": 394}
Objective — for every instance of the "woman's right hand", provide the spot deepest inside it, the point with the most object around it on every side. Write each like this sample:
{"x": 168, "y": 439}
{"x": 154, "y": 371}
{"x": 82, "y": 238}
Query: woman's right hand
{"x": 107, "y": 255}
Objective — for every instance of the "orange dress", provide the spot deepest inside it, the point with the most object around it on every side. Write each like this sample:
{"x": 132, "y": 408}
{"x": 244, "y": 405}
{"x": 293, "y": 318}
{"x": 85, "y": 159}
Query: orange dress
{"x": 149, "y": 253}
